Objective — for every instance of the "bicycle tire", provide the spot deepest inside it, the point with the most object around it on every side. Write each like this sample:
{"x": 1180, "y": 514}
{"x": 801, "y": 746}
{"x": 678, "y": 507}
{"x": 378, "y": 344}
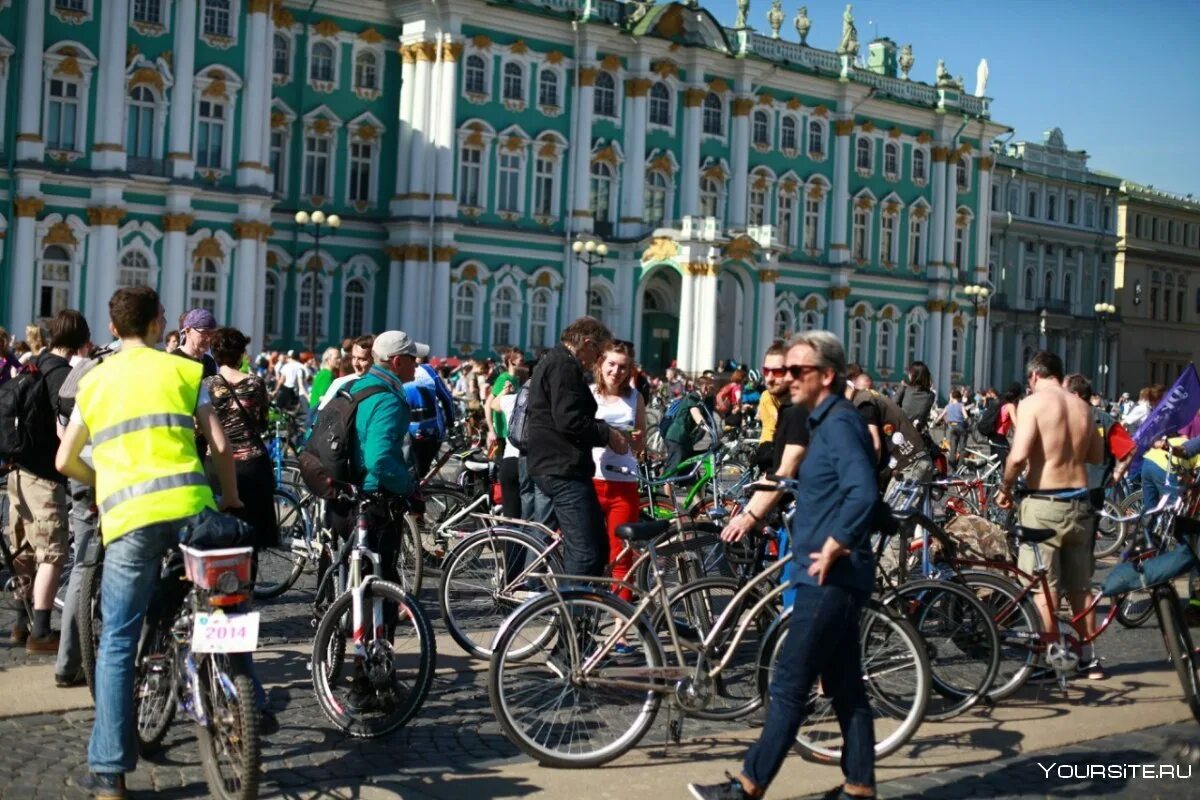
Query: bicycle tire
{"x": 962, "y": 642}
{"x": 403, "y": 701}
{"x": 279, "y": 567}
{"x": 233, "y": 731}
{"x": 1178, "y": 639}
{"x": 1134, "y": 609}
{"x": 410, "y": 556}
{"x": 737, "y": 684}
{"x": 877, "y": 626}
{"x": 1110, "y": 536}
{"x": 89, "y": 622}
{"x": 154, "y": 686}
{"x": 1019, "y": 624}
{"x": 701, "y": 538}
{"x": 549, "y": 611}
{"x": 474, "y": 623}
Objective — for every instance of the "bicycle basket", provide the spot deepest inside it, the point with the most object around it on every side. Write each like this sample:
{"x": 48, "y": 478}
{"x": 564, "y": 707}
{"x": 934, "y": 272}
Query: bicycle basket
{"x": 225, "y": 571}
{"x": 1163, "y": 568}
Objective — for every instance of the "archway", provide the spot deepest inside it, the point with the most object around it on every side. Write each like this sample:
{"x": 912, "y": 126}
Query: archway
{"x": 656, "y": 321}
{"x": 736, "y": 315}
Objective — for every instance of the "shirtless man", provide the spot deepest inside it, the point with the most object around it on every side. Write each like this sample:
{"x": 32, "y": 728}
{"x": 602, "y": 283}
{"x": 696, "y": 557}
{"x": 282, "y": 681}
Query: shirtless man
{"x": 1056, "y": 441}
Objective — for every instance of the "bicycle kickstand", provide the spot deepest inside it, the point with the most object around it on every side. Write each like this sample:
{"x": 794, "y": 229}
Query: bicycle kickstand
{"x": 675, "y": 717}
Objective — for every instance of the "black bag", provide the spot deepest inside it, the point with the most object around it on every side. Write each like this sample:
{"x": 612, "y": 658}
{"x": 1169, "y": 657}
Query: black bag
{"x": 327, "y": 458}
{"x": 517, "y": 430}
{"x": 989, "y": 421}
{"x": 214, "y": 530}
{"x": 28, "y": 421}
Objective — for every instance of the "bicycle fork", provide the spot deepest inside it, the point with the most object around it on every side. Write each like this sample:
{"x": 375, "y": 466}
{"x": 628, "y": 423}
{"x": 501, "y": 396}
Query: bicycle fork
{"x": 358, "y": 590}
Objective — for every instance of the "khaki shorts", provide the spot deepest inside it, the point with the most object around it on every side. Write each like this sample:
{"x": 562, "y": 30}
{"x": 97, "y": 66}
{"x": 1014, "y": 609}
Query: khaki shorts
{"x": 37, "y": 513}
{"x": 1068, "y": 555}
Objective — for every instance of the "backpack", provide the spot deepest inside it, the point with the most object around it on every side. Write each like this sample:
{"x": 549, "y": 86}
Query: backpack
{"x": 518, "y": 430}
{"x": 28, "y": 419}
{"x": 327, "y": 458}
{"x": 988, "y": 425}
{"x": 668, "y": 417}
{"x": 423, "y": 411}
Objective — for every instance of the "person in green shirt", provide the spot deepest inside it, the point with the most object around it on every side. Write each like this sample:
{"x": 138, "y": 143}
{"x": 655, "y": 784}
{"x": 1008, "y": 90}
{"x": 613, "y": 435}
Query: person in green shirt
{"x": 330, "y": 360}
{"x": 497, "y": 425}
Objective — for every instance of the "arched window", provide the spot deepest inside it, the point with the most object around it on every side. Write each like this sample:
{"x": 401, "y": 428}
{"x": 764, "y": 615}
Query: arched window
{"x": 860, "y": 246}
{"x": 811, "y": 321}
{"x": 281, "y": 56}
{"x": 62, "y": 115}
{"x": 539, "y": 318}
{"x": 1048, "y": 286}
{"x": 913, "y": 334}
{"x": 465, "y": 297}
{"x": 475, "y": 75}
{"x": 918, "y": 165}
{"x": 597, "y": 305}
{"x": 470, "y": 176}
{"x": 816, "y": 139}
{"x": 885, "y": 350}
{"x": 366, "y": 70}
{"x": 321, "y": 63}
{"x": 655, "y": 198}
{"x": 862, "y": 153}
{"x": 1051, "y": 208}
{"x": 1031, "y": 205}
{"x": 916, "y": 240}
{"x": 660, "y": 104}
{"x": 210, "y": 134}
{"x": 270, "y": 309}
{"x": 504, "y": 317}
{"x": 514, "y": 82}
{"x": 859, "y": 328}
{"x": 1029, "y": 283}
{"x": 710, "y": 192}
{"x": 139, "y": 138}
{"x": 135, "y": 270}
{"x": 787, "y": 134}
{"x": 54, "y": 282}
{"x": 963, "y": 176}
{"x": 714, "y": 115}
{"x": 604, "y": 102}
{"x": 548, "y": 88}
{"x": 785, "y": 218}
{"x": 891, "y": 160}
{"x": 783, "y": 323}
{"x": 762, "y": 129}
{"x": 354, "y": 308}
{"x": 1067, "y": 287}
{"x": 310, "y": 311}
{"x": 202, "y": 289}
{"x": 601, "y": 191}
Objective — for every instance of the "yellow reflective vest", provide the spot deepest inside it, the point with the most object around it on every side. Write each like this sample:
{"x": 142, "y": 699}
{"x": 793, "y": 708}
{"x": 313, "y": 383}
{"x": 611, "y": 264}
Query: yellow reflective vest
{"x": 139, "y": 408}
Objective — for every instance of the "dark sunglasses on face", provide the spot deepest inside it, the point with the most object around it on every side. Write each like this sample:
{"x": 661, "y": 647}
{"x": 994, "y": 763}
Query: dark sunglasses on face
{"x": 775, "y": 372}
{"x": 798, "y": 371}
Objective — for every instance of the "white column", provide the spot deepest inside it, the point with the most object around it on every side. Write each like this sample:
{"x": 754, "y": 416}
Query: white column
{"x": 766, "y": 311}
{"x": 942, "y": 376}
{"x": 245, "y": 267}
{"x": 626, "y": 300}
{"x": 408, "y": 72}
{"x": 951, "y": 211}
{"x": 835, "y": 320}
{"x": 174, "y": 272}
{"x": 108, "y": 149}
{"x": 439, "y": 328}
{"x": 575, "y": 287}
{"x": 1077, "y": 354}
{"x": 256, "y": 106}
{"x": 839, "y": 248}
{"x": 739, "y": 156}
{"x": 998, "y": 376}
{"x": 411, "y": 296}
{"x": 933, "y": 338}
{"x": 21, "y": 272}
{"x": 257, "y": 331}
{"x": 30, "y": 146}
{"x": 180, "y": 146}
{"x": 634, "y": 185}
{"x": 689, "y": 172}
{"x": 705, "y": 353}
{"x": 981, "y": 326}
{"x": 445, "y": 201}
{"x": 264, "y": 142}
{"x": 581, "y": 153}
{"x": 420, "y": 190}
{"x": 687, "y": 319}
{"x": 937, "y": 252}
{"x": 983, "y": 216}
{"x": 102, "y": 258}
{"x": 395, "y": 291}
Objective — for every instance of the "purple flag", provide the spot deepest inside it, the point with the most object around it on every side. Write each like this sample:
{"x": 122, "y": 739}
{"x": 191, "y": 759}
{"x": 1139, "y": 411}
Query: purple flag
{"x": 1177, "y": 408}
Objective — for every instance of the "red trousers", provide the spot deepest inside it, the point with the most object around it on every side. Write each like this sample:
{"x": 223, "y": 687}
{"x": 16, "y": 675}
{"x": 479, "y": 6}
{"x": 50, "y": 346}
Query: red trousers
{"x": 619, "y": 500}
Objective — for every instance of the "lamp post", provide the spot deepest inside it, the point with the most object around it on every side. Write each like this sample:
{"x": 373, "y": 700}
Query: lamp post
{"x": 314, "y": 225}
{"x": 591, "y": 252}
{"x": 979, "y": 295}
{"x": 1103, "y": 312}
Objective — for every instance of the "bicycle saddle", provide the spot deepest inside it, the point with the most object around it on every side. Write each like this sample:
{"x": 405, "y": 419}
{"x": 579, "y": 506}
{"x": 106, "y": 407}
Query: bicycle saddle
{"x": 1034, "y": 535}
{"x": 643, "y": 531}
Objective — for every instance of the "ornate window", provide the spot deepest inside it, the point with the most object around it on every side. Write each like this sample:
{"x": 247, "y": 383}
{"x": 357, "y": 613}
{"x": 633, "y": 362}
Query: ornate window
{"x": 601, "y": 191}
{"x": 861, "y": 234}
{"x": 785, "y": 218}
{"x": 218, "y": 18}
{"x": 885, "y": 345}
{"x": 918, "y": 165}
{"x": 135, "y": 270}
{"x": 318, "y": 165}
{"x": 366, "y": 71}
{"x": 470, "y": 173}
{"x": 539, "y": 317}
{"x": 891, "y": 160}
{"x": 514, "y": 82}
{"x": 816, "y": 138}
{"x": 956, "y": 349}
{"x": 811, "y": 321}
{"x": 714, "y": 115}
{"x": 504, "y": 317}
{"x": 465, "y": 299}
{"x": 1030, "y": 282}
{"x": 916, "y": 240}
{"x": 787, "y": 133}
{"x": 210, "y": 134}
{"x": 543, "y": 187}
{"x": 758, "y": 205}
{"x": 710, "y": 193}
{"x": 783, "y": 323}
{"x": 762, "y": 129}
{"x": 1067, "y": 287}
{"x": 508, "y": 182}
{"x": 475, "y": 75}
{"x": 1031, "y": 205}
{"x": 812, "y": 222}
{"x": 278, "y": 159}
{"x": 888, "y": 241}
{"x": 147, "y": 12}
{"x": 660, "y": 104}
{"x": 913, "y": 346}
{"x": 1071, "y": 210}
{"x": 655, "y": 198}
{"x": 310, "y": 311}
{"x": 963, "y": 175}
{"x": 204, "y": 284}
{"x": 604, "y": 101}
{"x": 62, "y": 115}
{"x": 354, "y": 308}
{"x": 281, "y": 57}
{"x": 862, "y": 154}
{"x": 1048, "y": 285}
{"x": 139, "y": 136}
{"x": 320, "y": 64}
{"x": 859, "y": 330}
{"x": 1052, "y": 207}
{"x": 270, "y": 309}
{"x": 362, "y": 158}
{"x": 548, "y": 88}
{"x": 54, "y": 282}
{"x": 960, "y": 245}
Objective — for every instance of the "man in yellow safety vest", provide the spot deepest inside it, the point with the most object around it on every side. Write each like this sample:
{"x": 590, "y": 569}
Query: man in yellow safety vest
{"x": 139, "y": 410}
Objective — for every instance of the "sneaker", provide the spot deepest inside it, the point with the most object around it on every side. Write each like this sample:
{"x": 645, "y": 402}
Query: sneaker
{"x": 42, "y": 644}
{"x": 106, "y": 785}
{"x": 624, "y": 649}
{"x": 732, "y": 789}
{"x": 1091, "y": 671}
{"x": 19, "y": 633}
{"x": 361, "y": 698}
{"x": 69, "y": 681}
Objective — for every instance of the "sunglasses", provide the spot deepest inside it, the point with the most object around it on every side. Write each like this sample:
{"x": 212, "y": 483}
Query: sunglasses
{"x": 798, "y": 371}
{"x": 775, "y": 372}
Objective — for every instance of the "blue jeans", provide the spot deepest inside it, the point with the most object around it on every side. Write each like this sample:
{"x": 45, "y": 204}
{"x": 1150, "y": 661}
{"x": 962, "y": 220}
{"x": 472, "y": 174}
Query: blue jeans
{"x": 822, "y": 642}
{"x": 581, "y": 521}
{"x": 82, "y": 520}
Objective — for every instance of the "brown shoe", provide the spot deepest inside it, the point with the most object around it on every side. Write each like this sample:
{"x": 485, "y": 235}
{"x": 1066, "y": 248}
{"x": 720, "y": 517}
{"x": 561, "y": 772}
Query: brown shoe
{"x": 42, "y": 644}
{"x": 18, "y": 634}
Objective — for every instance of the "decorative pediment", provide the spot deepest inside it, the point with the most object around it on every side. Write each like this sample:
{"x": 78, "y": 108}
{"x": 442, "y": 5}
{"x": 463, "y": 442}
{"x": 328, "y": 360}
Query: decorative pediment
{"x": 208, "y": 248}
{"x": 742, "y": 248}
{"x": 370, "y": 36}
{"x": 663, "y": 248}
{"x": 60, "y": 233}
{"x": 327, "y": 28}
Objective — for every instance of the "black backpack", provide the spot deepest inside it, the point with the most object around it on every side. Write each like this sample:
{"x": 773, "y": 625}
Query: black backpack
{"x": 28, "y": 420}
{"x": 989, "y": 421}
{"x": 327, "y": 459}
{"x": 518, "y": 430}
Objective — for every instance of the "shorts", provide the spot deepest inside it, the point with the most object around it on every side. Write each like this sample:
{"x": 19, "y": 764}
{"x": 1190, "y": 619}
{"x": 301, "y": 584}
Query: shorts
{"x": 1067, "y": 556}
{"x": 37, "y": 512}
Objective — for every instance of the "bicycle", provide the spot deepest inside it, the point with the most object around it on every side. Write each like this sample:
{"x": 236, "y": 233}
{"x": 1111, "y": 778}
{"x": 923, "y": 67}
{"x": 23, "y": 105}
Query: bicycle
{"x": 611, "y": 699}
{"x": 381, "y": 681}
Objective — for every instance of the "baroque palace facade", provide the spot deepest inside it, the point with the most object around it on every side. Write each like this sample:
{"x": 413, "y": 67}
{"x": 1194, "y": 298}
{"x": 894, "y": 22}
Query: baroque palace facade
{"x": 745, "y": 184}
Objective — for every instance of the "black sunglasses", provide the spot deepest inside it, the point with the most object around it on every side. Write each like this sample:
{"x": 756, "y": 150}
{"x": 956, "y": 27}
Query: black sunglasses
{"x": 798, "y": 371}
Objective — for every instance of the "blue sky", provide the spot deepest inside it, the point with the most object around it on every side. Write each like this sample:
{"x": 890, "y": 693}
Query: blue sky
{"x": 1122, "y": 79}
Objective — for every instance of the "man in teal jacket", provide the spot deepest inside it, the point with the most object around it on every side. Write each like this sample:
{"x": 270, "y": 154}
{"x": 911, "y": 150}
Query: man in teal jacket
{"x": 381, "y": 422}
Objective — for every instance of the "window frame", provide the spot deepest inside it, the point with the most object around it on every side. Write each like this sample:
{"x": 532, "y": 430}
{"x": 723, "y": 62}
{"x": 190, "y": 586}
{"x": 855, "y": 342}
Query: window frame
{"x": 608, "y": 109}
{"x": 712, "y": 116}
{"x": 664, "y": 103}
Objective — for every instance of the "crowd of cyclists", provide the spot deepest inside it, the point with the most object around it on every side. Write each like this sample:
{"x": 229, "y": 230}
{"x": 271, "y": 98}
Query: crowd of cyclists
{"x": 161, "y": 438}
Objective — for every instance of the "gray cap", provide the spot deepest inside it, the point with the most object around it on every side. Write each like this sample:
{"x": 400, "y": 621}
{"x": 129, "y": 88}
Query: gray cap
{"x": 397, "y": 343}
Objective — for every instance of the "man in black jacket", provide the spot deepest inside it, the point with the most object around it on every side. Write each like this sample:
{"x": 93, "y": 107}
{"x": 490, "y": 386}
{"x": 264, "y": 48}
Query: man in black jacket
{"x": 561, "y": 431}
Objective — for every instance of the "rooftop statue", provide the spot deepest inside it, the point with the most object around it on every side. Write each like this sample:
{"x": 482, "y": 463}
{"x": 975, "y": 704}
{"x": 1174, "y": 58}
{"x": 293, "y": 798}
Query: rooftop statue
{"x": 981, "y": 78}
{"x": 803, "y": 24}
{"x": 849, "y": 44}
{"x": 906, "y": 60}
{"x": 775, "y": 17}
{"x": 743, "y": 8}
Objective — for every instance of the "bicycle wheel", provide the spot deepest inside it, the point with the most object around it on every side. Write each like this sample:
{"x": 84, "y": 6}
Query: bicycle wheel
{"x": 154, "y": 685}
{"x": 230, "y": 749}
{"x": 961, "y": 641}
{"x": 1019, "y": 624}
{"x": 410, "y": 556}
{"x": 1178, "y": 639}
{"x": 1110, "y": 535}
{"x": 480, "y": 584}
{"x": 1135, "y": 608}
{"x": 695, "y": 608}
{"x": 89, "y": 621}
{"x": 696, "y": 549}
{"x": 383, "y": 684}
{"x": 897, "y": 677}
{"x": 441, "y": 504}
{"x": 280, "y": 566}
{"x": 546, "y": 707}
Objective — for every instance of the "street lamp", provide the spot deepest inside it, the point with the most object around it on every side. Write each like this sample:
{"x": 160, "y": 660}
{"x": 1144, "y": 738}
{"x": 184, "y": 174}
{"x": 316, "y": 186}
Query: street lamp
{"x": 318, "y": 222}
{"x": 1103, "y": 312}
{"x": 979, "y": 295}
{"x": 591, "y": 252}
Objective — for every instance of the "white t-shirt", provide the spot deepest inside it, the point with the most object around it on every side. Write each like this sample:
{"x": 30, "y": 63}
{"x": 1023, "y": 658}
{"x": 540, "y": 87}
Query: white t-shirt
{"x": 622, "y": 415}
{"x": 292, "y": 375}
{"x": 335, "y": 387}
{"x": 506, "y": 403}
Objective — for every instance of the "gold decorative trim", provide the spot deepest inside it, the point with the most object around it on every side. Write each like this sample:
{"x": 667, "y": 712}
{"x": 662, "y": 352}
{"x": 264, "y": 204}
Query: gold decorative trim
{"x": 425, "y": 51}
{"x": 718, "y": 85}
{"x": 663, "y": 248}
{"x": 177, "y": 223}
{"x": 924, "y": 137}
{"x": 739, "y": 249}
{"x": 935, "y": 306}
{"x": 481, "y": 41}
{"x": 638, "y": 87}
{"x": 587, "y": 76}
{"x": 694, "y": 97}
{"x": 895, "y": 133}
{"x": 451, "y": 51}
{"x": 146, "y": 76}
{"x": 282, "y": 18}
{"x": 69, "y": 66}
{"x": 821, "y": 111}
{"x": 701, "y": 269}
{"x": 555, "y": 57}
{"x": 843, "y": 127}
{"x": 986, "y": 163}
{"x": 370, "y": 36}
{"x": 742, "y": 106}
{"x": 366, "y": 132}
{"x": 29, "y": 206}
{"x": 663, "y": 164}
{"x": 768, "y": 276}
{"x": 29, "y": 137}
{"x": 327, "y": 28}
{"x": 278, "y": 120}
{"x": 868, "y": 127}
{"x": 839, "y": 292}
{"x": 407, "y": 54}
{"x": 611, "y": 62}
{"x": 607, "y": 155}
{"x": 216, "y": 88}
{"x": 794, "y": 104}
{"x": 107, "y": 147}
{"x": 208, "y": 248}
{"x": 60, "y": 233}
{"x": 105, "y": 215}
{"x": 940, "y": 155}
{"x": 665, "y": 68}
{"x": 258, "y": 6}
{"x": 443, "y": 254}
{"x": 395, "y": 253}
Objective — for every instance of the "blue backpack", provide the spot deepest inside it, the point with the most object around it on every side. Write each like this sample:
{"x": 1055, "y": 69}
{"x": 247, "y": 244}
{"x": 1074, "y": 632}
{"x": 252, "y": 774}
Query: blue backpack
{"x": 668, "y": 417}
{"x": 423, "y": 407}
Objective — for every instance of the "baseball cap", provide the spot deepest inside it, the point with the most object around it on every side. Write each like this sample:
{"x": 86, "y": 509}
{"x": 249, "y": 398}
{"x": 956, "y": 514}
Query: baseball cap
{"x": 200, "y": 319}
{"x": 397, "y": 343}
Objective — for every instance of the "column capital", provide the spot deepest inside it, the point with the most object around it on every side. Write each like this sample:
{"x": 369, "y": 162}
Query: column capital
{"x": 251, "y": 229}
{"x": 396, "y": 252}
{"x": 425, "y": 51}
{"x": 416, "y": 252}
{"x": 986, "y": 163}
{"x": 843, "y": 127}
{"x": 29, "y": 206}
{"x": 693, "y": 97}
{"x": 839, "y": 292}
{"x": 768, "y": 275}
{"x": 936, "y": 306}
{"x": 940, "y": 155}
{"x": 407, "y": 54}
{"x": 444, "y": 253}
{"x": 742, "y": 106}
{"x": 638, "y": 87}
{"x": 177, "y": 222}
{"x": 258, "y": 6}
{"x": 702, "y": 268}
{"x": 451, "y": 51}
{"x": 105, "y": 215}
{"x": 587, "y": 76}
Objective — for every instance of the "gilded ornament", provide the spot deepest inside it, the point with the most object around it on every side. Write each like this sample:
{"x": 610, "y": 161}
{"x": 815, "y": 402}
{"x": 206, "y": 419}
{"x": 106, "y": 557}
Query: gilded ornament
{"x": 208, "y": 248}
{"x": 258, "y": 6}
{"x": 794, "y": 104}
{"x": 216, "y": 88}
{"x": 514, "y": 144}
{"x": 765, "y": 99}
{"x": 481, "y": 42}
{"x": 272, "y": 259}
{"x": 775, "y": 17}
{"x": 663, "y": 248}
{"x": 366, "y": 132}
{"x": 742, "y": 106}
{"x": 895, "y": 133}
{"x": 718, "y": 85}
{"x": 278, "y": 120}
{"x": 611, "y": 62}
{"x": 29, "y": 206}
{"x": 547, "y": 150}
{"x": 665, "y": 68}
{"x": 868, "y": 127}
{"x": 451, "y": 51}
{"x": 282, "y": 18}
{"x": 518, "y": 48}
{"x": 555, "y": 57}
{"x": 543, "y": 280}
{"x": 327, "y": 28}
{"x": 395, "y": 253}
{"x": 935, "y": 306}
{"x": 740, "y": 249}
{"x": 60, "y": 233}
{"x": 444, "y": 253}
{"x": 920, "y": 212}
{"x": 788, "y": 185}
{"x": 470, "y": 273}
{"x": 69, "y": 66}
{"x": 986, "y": 163}
{"x": 839, "y": 292}
{"x": 803, "y": 25}
{"x": 843, "y": 127}
{"x": 407, "y": 54}
{"x": 321, "y": 126}
{"x": 607, "y": 155}
{"x": 924, "y": 137}
{"x": 716, "y": 172}
{"x": 426, "y": 51}
{"x": 760, "y": 183}
{"x": 821, "y": 111}
{"x": 370, "y": 36}
{"x": 146, "y": 76}
{"x": 940, "y": 155}
{"x": 864, "y": 202}
{"x": 177, "y": 222}
{"x": 694, "y": 97}
{"x": 663, "y": 164}
{"x": 105, "y": 215}
{"x": 768, "y": 276}
{"x": 637, "y": 87}
{"x": 587, "y": 76}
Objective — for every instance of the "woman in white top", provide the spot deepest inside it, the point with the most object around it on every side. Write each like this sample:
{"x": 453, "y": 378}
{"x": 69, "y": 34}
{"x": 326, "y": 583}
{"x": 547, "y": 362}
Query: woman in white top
{"x": 616, "y": 477}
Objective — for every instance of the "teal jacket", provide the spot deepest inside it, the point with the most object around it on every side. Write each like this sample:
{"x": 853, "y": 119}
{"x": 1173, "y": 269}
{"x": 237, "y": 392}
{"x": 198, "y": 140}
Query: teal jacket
{"x": 380, "y": 426}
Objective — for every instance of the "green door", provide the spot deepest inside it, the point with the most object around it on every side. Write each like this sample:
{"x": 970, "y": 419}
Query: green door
{"x": 660, "y": 333}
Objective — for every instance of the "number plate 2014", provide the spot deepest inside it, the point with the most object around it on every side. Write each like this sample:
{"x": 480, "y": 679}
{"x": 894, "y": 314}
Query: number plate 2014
{"x": 225, "y": 633}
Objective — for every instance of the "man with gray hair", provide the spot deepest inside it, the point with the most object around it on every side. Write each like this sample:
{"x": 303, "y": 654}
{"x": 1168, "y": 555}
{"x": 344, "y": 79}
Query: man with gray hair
{"x": 831, "y": 543}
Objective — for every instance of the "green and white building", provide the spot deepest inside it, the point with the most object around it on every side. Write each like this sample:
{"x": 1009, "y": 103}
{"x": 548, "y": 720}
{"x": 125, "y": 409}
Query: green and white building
{"x": 745, "y": 184}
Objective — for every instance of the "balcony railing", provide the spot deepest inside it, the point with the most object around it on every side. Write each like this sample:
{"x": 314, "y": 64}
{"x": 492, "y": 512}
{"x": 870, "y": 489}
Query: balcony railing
{"x": 145, "y": 166}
